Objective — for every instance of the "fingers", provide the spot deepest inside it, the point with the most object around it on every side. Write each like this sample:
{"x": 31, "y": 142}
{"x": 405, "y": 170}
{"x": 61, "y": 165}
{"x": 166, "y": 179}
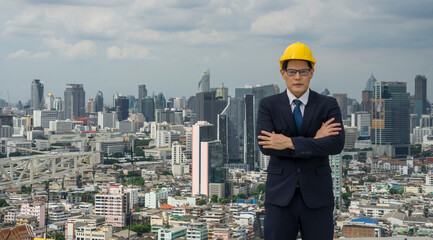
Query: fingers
{"x": 266, "y": 133}
{"x": 261, "y": 137}
{"x": 329, "y": 121}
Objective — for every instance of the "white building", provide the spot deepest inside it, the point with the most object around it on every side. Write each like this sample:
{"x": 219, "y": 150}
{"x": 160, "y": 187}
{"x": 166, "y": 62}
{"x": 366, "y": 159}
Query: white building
{"x": 49, "y": 101}
{"x": 181, "y": 201}
{"x": 165, "y": 138}
{"x": 34, "y": 209}
{"x": 197, "y": 231}
{"x": 59, "y": 126}
{"x": 420, "y": 132}
{"x": 107, "y": 120}
{"x": 152, "y": 198}
{"x": 264, "y": 161}
{"x": 42, "y": 118}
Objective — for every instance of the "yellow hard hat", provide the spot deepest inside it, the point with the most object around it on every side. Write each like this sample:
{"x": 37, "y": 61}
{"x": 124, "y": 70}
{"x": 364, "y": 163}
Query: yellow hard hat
{"x": 297, "y": 51}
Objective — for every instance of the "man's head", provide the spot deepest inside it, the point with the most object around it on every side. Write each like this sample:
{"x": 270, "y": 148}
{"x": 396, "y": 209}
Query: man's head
{"x": 297, "y": 68}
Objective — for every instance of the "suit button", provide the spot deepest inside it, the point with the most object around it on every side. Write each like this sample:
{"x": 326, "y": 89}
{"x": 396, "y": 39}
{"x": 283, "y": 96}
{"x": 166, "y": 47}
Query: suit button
{"x": 298, "y": 170}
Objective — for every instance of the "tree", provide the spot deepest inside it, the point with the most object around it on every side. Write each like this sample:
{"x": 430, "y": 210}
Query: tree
{"x": 261, "y": 188}
{"x": 347, "y": 157}
{"x": 242, "y": 195}
{"x": 201, "y": 202}
{"x": 214, "y": 198}
{"x": 224, "y": 200}
{"x": 3, "y": 203}
{"x": 392, "y": 191}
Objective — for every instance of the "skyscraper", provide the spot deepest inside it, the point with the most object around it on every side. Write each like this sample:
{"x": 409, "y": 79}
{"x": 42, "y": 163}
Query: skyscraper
{"x": 37, "y": 91}
{"x": 420, "y": 95}
{"x": 49, "y": 102}
{"x": 148, "y": 109}
{"x": 204, "y": 84}
{"x": 74, "y": 101}
{"x": 337, "y": 175}
{"x": 390, "y": 119}
{"x": 249, "y": 133}
{"x": 208, "y": 107}
{"x": 207, "y": 159}
{"x": 342, "y": 102}
{"x": 122, "y": 108}
{"x": 99, "y": 101}
{"x": 142, "y": 91}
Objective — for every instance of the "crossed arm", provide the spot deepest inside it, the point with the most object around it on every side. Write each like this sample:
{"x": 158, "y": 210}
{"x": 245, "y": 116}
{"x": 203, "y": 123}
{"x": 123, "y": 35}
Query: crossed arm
{"x": 272, "y": 140}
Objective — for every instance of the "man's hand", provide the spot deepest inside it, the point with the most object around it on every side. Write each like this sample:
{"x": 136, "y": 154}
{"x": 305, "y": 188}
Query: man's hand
{"x": 328, "y": 129}
{"x": 275, "y": 141}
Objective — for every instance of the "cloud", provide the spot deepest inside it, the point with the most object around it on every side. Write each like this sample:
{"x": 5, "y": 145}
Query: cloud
{"x": 77, "y": 21}
{"x": 23, "y": 54}
{"x": 130, "y": 52}
{"x": 81, "y": 50}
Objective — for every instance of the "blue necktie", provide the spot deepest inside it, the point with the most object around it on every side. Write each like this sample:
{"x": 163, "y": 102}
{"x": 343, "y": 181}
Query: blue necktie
{"x": 297, "y": 115}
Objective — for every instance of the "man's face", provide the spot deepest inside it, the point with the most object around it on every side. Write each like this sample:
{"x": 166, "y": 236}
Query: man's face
{"x": 297, "y": 84}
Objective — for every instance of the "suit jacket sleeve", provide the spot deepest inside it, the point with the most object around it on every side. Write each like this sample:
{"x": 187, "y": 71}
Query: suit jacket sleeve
{"x": 266, "y": 123}
{"x": 308, "y": 147}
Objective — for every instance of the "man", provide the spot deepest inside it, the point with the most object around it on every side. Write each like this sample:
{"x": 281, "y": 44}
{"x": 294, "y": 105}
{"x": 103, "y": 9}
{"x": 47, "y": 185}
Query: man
{"x": 299, "y": 129}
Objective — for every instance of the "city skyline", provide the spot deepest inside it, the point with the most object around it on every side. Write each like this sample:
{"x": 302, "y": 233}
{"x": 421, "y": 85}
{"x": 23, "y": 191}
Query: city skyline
{"x": 117, "y": 45}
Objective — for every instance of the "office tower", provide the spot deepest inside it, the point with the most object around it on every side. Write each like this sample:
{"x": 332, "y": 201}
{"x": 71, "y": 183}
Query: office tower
{"x": 160, "y": 102}
{"x": 370, "y": 83}
{"x": 74, "y": 101}
{"x": 190, "y": 104}
{"x": 37, "y": 91}
{"x": 390, "y": 119}
{"x": 122, "y": 108}
{"x": 42, "y": 118}
{"x": 413, "y": 122}
{"x": 222, "y": 132}
{"x": 249, "y": 133}
{"x": 132, "y": 101}
{"x": 351, "y": 135}
{"x": 208, "y": 107}
{"x": 49, "y": 102}
{"x": 148, "y": 109}
{"x": 342, "y": 102}
{"x": 337, "y": 176}
{"x": 363, "y": 123}
{"x": 205, "y": 153}
{"x": 222, "y": 93}
{"x": 367, "y": 95}
{"x": 142, "y": 91}
{"x": 58, "y": 104}
{"x": 90, "y": 106}
{"x": 179, "y": 103}
{"x": 420, "y": 103}
{"x": 113, "y": 205}
{"x": 325, "y": 92}
{"x": 204, "y": 84}
{"x": 99, "y": 101}
{"x": 107, "y": 120}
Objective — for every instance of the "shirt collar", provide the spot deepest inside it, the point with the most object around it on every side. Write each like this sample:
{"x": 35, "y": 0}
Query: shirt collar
{"x": 303, "y": 98}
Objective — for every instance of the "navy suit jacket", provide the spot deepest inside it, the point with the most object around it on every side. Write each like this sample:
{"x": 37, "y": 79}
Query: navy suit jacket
{"x": 308, "y": 164}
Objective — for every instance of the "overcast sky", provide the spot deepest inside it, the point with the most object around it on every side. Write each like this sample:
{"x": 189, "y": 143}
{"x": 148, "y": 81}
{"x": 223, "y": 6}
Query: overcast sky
{"x": 115, "y": 45}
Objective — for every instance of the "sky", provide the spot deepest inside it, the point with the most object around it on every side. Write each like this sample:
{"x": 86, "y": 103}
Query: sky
{"x": 115, "y": 45}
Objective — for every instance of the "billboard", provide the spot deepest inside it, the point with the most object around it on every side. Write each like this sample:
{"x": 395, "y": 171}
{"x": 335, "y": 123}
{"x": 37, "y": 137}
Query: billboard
{"x": 378, "y": 113}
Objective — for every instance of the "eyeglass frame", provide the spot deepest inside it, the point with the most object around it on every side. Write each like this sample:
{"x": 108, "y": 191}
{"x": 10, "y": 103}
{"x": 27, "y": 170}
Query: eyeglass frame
{"x": 298, "y": 71}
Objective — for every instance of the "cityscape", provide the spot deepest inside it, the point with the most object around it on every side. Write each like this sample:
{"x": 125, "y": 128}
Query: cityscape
{"x": 132, "y": 119}
{"x": 151, "y": 167}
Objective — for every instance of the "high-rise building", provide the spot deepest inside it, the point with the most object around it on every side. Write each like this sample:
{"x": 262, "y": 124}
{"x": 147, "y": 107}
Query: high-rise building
{"x": 142, "y": 91}
{"x": 342, "y": 102}
{"x": 420, "y": 104}
{"x": 75, "y": 101}
{"x": 207, "y": 159}
{"x": 208, "y": 108}
{"x": 37, "y": 91}
{"x": 390, "y": 119}
{"x": 107, "y": 120}
{"x": 337, "y": 177}
{"x": 204, "y": 84}
{"x": 370, "y": 83}
{"x": 90, "y": 106}
{"x": 222, "y": 93}
{"x": 114, "y": 206}
{"x": 249, "y": 133}
{"x": 58, "y": 104}
{"x": 49, "y": 101}
{"x": 122, "y": 108}
{"x": 367, "y": 95}
{"x": 160, "y": 102}
{"x": 99, "y": 101}
{"x": 148, "y": 109}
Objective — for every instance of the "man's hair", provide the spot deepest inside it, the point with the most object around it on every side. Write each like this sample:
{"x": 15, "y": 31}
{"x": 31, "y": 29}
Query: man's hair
{"x": 310, "y": 65}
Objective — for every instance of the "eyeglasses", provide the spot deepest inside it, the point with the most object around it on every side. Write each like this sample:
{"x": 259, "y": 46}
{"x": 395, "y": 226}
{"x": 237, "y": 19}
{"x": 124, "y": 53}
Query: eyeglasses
{"x": 302, "y": 72}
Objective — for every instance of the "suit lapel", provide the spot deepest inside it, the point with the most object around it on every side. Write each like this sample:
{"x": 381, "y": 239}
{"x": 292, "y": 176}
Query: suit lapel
{"x": 310, "y": 108}
{"x": 286, "y": 111}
